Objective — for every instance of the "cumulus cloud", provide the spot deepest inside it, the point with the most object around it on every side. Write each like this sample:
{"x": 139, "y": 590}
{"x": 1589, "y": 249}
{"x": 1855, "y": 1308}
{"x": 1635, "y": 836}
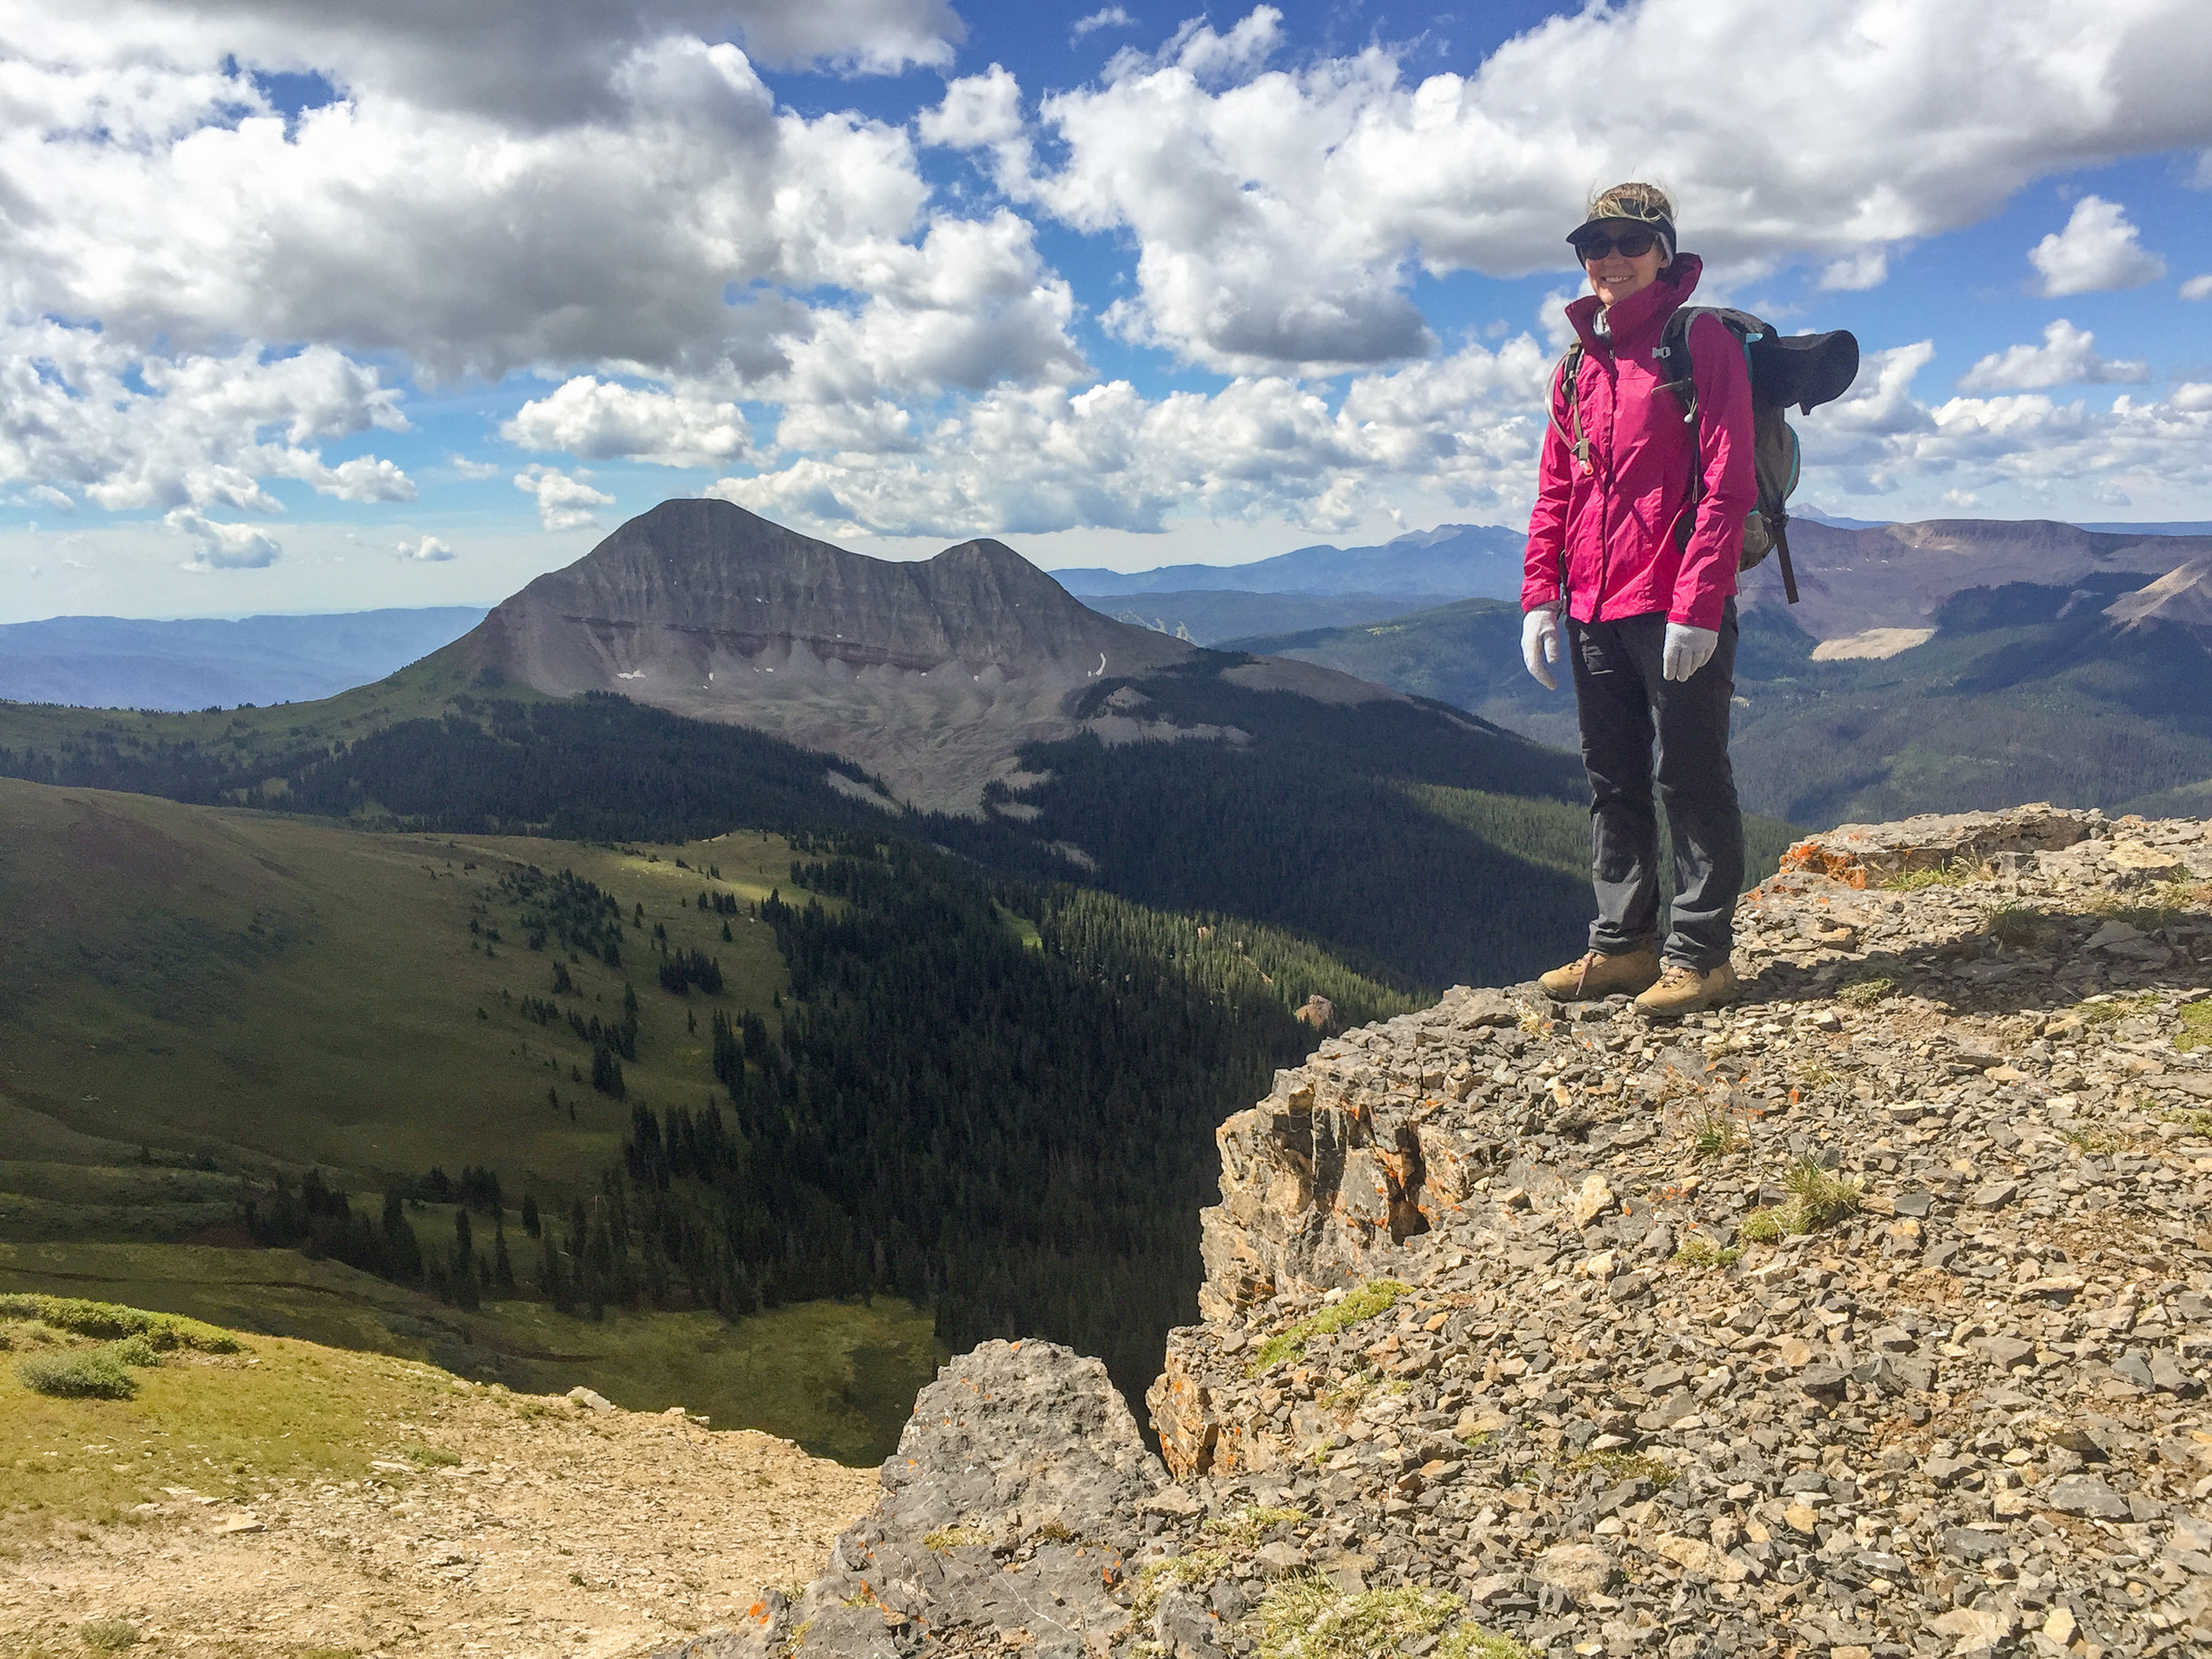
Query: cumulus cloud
{"x": 2197, "y": 287}
{"x": 84, "y": 414}
{"x": 1279, "y": 213}
{"x": 598, "y": 419}
{"x": 2068, "y": 356}
{"x": 1880, "y": 437}
{"x": 554, "y": 242}
{"x": 1029, "y": 461}
{"x": 2098, "y": 249}
{"x": 476, "y": 471}
{"x": 564, "y": 501}
{"x": 427, "y": 549}
{"x": 523, "y": 60}
{"x": 224, "y": 546}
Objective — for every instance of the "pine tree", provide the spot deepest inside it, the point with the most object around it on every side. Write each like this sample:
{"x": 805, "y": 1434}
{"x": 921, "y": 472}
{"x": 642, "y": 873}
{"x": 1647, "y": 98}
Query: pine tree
{"x": 463, "y": 1264}
{"x": 503, "y": 1269}
{"x": 530, "y": 1212}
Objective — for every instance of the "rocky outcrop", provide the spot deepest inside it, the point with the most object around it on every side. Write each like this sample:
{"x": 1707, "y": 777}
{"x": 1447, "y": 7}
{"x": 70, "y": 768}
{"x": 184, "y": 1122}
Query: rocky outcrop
{"x": 1870, "y": 1317}
{"x": 1019, "y": 1489}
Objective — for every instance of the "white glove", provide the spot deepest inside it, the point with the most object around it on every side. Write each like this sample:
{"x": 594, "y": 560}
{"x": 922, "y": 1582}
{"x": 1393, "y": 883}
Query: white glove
{"x": 1539, "y": 643}
{"x": 1689, "y": 649}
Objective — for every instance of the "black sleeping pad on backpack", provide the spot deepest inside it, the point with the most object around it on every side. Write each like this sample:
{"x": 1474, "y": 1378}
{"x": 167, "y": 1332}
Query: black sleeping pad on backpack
{"x": 1803, "y": 370}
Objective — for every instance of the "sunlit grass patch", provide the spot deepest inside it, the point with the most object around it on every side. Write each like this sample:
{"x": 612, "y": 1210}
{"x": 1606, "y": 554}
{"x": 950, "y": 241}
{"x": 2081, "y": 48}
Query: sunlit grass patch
{"x": 1700, "y": 1253}
{"x": 1309, "y": 1618}
{"x": 1955, "y": 873}
{"x": 1247, "y": 1526}
{"x": 1622, "y": 1465}
{"x": 955, "y": 1538}
{"x": 1866, "y": 992}
{"x": 1376, "y": 1296}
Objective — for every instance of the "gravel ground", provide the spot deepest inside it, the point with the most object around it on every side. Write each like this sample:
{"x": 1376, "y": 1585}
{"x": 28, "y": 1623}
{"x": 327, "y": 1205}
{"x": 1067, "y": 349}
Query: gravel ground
{"x": 560, "y": 1530}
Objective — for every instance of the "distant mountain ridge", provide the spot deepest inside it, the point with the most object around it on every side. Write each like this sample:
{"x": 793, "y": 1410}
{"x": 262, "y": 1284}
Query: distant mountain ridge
{"x": 1460, "y": 560}
{"x": 127, "y": 662}
{"x": 1900, "y": 575}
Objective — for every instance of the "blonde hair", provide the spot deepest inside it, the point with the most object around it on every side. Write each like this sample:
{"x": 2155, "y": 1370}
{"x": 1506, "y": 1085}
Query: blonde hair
{"x": 1634, "y": 200}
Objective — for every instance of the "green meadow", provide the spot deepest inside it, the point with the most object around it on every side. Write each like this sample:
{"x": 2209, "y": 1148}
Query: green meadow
{"x": 183, "y": 985}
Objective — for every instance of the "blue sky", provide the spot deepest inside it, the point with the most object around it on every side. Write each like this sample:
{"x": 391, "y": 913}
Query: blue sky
{"x": 320, "y": 311}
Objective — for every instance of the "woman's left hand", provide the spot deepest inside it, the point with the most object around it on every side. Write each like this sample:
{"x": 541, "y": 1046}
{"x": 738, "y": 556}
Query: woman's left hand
{"x": 1689, "y": 649}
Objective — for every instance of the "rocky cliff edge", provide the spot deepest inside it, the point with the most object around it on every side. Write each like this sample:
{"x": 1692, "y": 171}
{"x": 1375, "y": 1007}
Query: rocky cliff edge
{"x": 1870, "y": 1318}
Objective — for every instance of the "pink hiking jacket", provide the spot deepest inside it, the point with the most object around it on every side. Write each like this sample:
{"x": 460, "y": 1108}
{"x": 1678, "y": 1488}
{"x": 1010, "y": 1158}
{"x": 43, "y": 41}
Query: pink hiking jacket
{"x": 1616, "y": 524}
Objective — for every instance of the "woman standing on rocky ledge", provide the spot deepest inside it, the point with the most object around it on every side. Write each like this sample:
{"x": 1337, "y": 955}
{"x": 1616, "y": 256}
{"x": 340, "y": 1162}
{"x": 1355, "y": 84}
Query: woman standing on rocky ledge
{"x": 1634, "y": 540}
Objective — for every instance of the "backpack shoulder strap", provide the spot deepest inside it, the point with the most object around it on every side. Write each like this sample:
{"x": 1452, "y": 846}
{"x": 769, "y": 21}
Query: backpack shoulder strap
{"x": 1570, "y": 386}
{"x": 1674, "y": 347}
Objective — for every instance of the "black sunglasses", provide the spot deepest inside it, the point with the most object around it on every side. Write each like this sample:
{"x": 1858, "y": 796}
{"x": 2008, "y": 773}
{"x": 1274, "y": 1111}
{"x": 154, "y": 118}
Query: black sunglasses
{"x": 1633, "y": 244}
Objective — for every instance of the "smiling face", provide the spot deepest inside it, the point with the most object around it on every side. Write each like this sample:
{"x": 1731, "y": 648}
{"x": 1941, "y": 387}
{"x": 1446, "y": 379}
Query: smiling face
{"x": 1615, "y": 275}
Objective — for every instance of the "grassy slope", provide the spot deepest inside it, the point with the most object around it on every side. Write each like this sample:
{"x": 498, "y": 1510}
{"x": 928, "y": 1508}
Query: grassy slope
{"x": 280, "y": 992}
{"x": 837, "y": 1377}
{"x": 219, "y": 1424}
{"x": 276, "y": 990}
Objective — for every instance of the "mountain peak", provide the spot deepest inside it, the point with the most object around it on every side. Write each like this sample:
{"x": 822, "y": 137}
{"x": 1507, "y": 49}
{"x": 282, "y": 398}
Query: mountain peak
{"x": 926, "y": 672}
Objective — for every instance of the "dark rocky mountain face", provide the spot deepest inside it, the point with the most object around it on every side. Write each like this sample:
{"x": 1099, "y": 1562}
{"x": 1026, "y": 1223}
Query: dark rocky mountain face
{"x": 931, "y": 674}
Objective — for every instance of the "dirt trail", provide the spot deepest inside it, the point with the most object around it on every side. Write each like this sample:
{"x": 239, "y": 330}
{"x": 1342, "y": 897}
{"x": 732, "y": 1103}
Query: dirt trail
{"x": 576, "y": 1533}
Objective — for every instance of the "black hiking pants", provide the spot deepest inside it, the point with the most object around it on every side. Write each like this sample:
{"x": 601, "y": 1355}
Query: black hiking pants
{"x": 1625, "y": 702}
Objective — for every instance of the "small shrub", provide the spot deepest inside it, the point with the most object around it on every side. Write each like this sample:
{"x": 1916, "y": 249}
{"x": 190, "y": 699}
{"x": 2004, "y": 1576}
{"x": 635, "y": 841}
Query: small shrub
{"x": 1819, "y": 1198}
{"x": 2195, "y": 1119}
{"x": 1698, "y": 1253}
{"x": 1715, "y": 1134}
{"x": 1376, "y": 1296}
{"x": 1865, "y": 993}
{"x": 135, "y": 1350}
{"x": 107, "y": 1635}
{"x": 107, "y": 1320}
{"x": 1761, "y": 1227}
{"x": 84, "y": 1373}
{"x": 429, "y": 1456}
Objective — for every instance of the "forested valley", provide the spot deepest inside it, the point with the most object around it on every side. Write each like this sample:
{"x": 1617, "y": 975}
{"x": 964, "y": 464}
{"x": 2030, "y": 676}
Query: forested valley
{"x": 993, "y": 1099}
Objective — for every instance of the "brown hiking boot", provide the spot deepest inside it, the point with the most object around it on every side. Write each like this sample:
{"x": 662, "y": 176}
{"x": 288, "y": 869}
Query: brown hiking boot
{"x": 1684, "y": 990}
{"x": 1595, "y": 975}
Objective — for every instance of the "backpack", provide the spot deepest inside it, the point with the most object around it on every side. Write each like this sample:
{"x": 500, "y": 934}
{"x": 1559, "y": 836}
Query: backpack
{"x": 1806, "y": 370}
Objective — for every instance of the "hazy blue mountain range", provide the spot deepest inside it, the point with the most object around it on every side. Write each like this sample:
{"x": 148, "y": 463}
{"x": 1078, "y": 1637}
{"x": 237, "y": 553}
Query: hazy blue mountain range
{"x": 1462, "y": 560}
{"x": 122, "y": 663}
{"x": 1207, "y": 617}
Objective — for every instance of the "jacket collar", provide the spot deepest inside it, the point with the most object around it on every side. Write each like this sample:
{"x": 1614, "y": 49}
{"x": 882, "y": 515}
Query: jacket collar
{"x": 1638, "y": 321}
